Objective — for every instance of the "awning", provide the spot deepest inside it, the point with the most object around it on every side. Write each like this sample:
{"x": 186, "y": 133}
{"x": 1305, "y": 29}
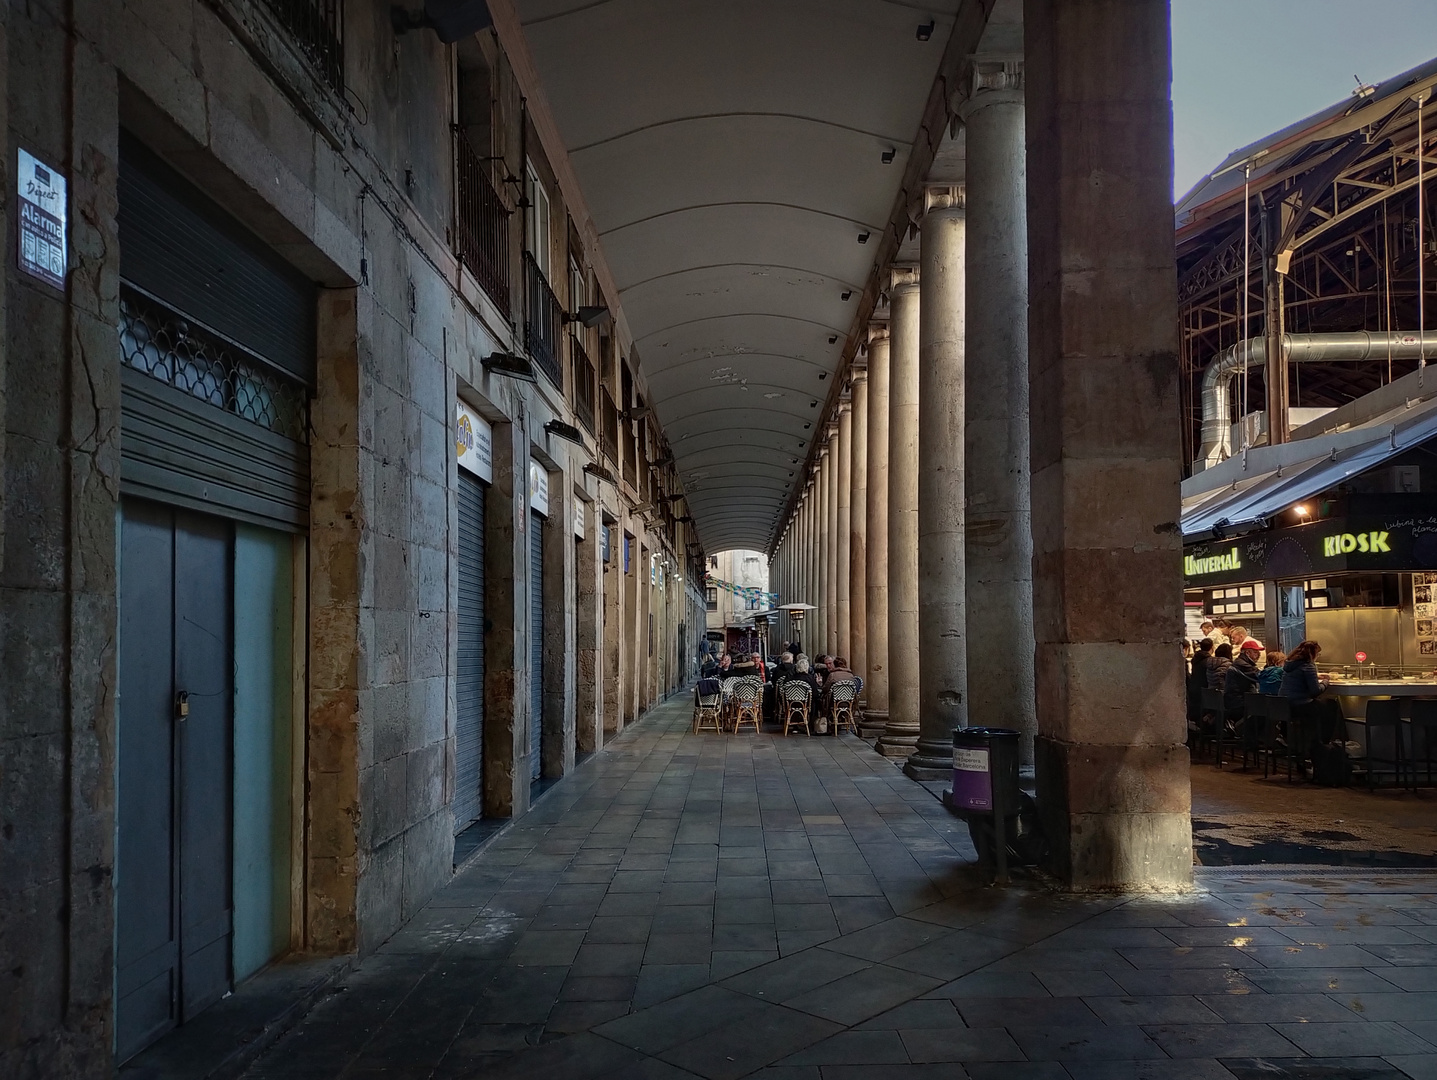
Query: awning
{"x": 1246, "y": 502}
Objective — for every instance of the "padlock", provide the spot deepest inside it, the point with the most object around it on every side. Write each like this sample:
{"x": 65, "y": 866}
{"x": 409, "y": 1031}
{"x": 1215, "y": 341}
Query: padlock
{"x": 182, "y": 704}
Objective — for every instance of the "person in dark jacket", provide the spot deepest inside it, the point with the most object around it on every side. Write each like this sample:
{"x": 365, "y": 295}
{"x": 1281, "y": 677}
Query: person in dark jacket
{"x": 1241, "y": 678}
{"x": 1303, "y": 687}
{"x": 1197, "y": 676}
{"x": 1217, "y": 670}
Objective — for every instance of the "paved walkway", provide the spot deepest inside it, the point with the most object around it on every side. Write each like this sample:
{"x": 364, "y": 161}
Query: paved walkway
{"x": 723, "y": 907}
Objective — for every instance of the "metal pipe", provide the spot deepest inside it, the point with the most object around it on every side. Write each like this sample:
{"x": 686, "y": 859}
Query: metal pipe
{"x": 1297, "y": 349}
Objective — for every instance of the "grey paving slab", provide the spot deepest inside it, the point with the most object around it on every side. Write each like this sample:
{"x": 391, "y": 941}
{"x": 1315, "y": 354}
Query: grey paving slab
{"x": 797, "y": 909}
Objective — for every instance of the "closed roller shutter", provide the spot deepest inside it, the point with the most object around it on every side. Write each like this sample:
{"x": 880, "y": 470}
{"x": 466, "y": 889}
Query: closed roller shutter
{"x": 536, "y": 644}
{"x": 469, "y": 681}
{"x": 217, "y": 343}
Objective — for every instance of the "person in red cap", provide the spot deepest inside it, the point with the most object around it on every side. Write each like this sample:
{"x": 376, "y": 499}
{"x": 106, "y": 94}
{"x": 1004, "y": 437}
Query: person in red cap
{"x": 1241, "y": 679}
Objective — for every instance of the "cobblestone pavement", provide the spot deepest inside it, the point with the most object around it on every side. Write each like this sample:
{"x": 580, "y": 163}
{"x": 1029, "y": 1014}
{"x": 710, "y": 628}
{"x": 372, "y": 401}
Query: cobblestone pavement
{"x": 795, "y": 909}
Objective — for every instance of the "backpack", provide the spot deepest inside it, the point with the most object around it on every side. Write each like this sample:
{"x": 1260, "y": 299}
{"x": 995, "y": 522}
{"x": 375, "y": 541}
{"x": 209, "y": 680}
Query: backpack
{"x": 1331, "y": 767}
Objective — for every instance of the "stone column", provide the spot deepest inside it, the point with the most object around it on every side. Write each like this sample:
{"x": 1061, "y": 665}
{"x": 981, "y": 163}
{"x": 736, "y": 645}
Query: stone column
{"x": 830, "y": 637}
{"x": 844, "y": 480}
{"x": 875, "y": 571}
{"x": 900, "y": 734}
{"x": 942, "y": 623}
{"x": 858, "y": 529}
{"x": 820, "y": 560}
{"x": 999, "y": 532}
{"x": 1112, "y": 767}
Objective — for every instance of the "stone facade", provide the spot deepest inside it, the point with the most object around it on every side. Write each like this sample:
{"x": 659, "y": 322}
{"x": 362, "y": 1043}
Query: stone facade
{"x": 356, "y": 190}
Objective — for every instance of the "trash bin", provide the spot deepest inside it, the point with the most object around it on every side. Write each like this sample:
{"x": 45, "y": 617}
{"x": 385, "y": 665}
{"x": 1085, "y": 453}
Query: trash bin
{"x": 985, "y": 763}
{"x": 985, "y": 790}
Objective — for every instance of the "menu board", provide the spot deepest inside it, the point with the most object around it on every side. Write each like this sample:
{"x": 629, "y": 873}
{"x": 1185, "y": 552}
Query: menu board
{"x": 1424, "y": 612}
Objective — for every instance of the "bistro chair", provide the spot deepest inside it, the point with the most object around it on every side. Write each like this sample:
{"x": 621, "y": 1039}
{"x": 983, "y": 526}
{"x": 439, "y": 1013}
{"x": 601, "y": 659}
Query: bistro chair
{"x": 1384, "y": 740}
{"x": 1255, "y": 726}
{"x": 726, "y": 686}
{"x": 796, "y": 704}
{"x": 841, "y": 699}
{"x": 748, "y": 704}
{"x": 707, "y": 706}
{"x": 1424, "y": 737}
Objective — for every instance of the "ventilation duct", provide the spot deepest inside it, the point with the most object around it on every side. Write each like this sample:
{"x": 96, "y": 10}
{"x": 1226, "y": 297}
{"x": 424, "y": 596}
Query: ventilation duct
{"x": 1299, "y": 349}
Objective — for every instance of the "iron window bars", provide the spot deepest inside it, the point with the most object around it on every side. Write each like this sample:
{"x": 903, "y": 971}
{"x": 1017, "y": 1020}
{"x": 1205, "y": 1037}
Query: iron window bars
{"x": 317, "y": 27}
{"x": 542, "y": 321}
{"x": 481, "y": 223}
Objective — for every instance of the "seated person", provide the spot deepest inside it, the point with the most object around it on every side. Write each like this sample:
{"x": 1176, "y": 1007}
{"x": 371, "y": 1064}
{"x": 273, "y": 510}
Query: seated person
{"x": 1303, "y": 688}
{"x": 802, "y": 673}
{"x": 1241, "y": 678}
{"x": 1269, "y": 680}
{"x": 743, "y": 667}
{"x": 838, "y": 674}
{"x": 784, "y": 669}
{"x": 1197, "y": 677}
{"x": 710, "y": 668}
{"x": 1217, "y": 669}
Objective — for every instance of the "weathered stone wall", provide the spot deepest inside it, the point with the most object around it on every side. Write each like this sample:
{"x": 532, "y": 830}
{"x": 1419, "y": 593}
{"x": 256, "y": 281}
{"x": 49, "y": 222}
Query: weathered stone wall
{"x": 355, "y": 190}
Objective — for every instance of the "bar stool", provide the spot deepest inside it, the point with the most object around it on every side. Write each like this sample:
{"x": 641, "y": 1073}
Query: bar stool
{"x": 1384, "y": 717}
{"x": 1424, "y": 736}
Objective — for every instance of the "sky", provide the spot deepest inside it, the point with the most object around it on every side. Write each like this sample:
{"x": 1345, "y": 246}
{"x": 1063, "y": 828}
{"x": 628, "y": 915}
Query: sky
{"x": 1243, "y": 69}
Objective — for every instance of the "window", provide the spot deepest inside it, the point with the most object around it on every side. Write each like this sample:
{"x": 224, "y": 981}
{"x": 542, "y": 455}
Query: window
{"x": 752, "y": 603}
{"x": 537, "y": 217}
{"x": 713, "y": 562}
{"x": 711, "y": 595}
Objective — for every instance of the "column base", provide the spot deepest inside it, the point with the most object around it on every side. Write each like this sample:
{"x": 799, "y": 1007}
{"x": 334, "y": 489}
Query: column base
{"x": 872, "y": 723}
{"x": 898, "y": 742}
{"x": 930, "y": 761}
{"x": 1117, "y": 817}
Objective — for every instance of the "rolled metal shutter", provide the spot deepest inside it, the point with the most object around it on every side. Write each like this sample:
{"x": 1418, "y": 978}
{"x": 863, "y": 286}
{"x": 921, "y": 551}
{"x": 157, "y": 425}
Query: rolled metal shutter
{"x": 217, "y": 341}
{"x": 536, "y": 644}
{"x": 469, "y": 678}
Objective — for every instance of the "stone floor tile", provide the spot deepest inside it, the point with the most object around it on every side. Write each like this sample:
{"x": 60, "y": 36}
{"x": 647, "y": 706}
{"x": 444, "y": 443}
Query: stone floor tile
{"x": 1221, "y": 1040}
{"x": 851, "y": 885}
{"x": 568, "y": 917}
{"x": 605, "y": 959}
{"x": 1411, "y": 978}
{"x": 598, "y": 988}
{"x": 992, "y": 984}
{"x": 1282, "y": 1008}
{"x": 1320, "y": 981}
{"x": 1225, "y": 936}
{"x": 882, "y": 1047}
{"x": 636, "y": 881}
{"x": 1309, "y": 1068}
{"x": 792, "y": 941}
{"x": 791, "y": 976}
{"x": 1423, "y": 1029}
{"x": 1375, "y": 1038}
{"x": 1016, "y": 1070}
{"x": 1177, "y": 1009}
{"x": 770, "y": 1034}
{"x": 618, "y": 930}
{"x": 1406, "y": 955}
{"x": 890, "y": 938}
{"x": 1307, "y": 956}
{"x": 742, "y": 888}
{"x": 547, "y": 947}
{"x": 1080, "y": 983}
{"x": 681, "y": 1018}
{"x": 568, "y": 1017}
{"x": 1187, "y": 981}
{"x": 867, "y": 993}
{"x": 953, "y": 956}
{"x": 1350, "y": 934}
{"x": 806, "y": 916}
{"x": 1026, "y": 1012}
{"x": 684, "y": 948}
{"x": 660, "y": 982}
{"x": 1416, "y": 1066}
{"x": 682, "y": 919}
{"x": 726, "y": 962}
{"x": 1094, "y": 1042}
{"x": 938, "y": 1013}
{"x": 931, "y": 1045}
{"x": 1148, "y": 1069}
{"x": 687, "y": 892}
{"x": 642, "y": 903}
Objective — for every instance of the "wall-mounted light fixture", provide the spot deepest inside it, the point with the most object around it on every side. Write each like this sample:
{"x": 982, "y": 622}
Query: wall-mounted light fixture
{"x": 510, "y": 364}
{"x": 589, "y": 315}
{"x": 598, "y": 472}
{"x": 561, "y": 430}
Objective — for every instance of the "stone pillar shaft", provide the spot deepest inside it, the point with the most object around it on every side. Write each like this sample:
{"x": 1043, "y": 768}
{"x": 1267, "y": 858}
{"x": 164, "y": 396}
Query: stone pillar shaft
{"x": 858, "y": 530}
{"x": 830, "y": 567}
{"x": 900, "y": 735}
{"x": 942, "y": 625}
{"x": 875, "y": 576}
{"x": 1112, "y": 767}
{"x": 820, "y": 506}
{"x": 844, "y": 480}
{"x": 999, "y": 530}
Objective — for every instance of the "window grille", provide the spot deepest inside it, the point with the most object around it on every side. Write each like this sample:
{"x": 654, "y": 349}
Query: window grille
{"x": 481, "y": 234}
{"x": 542, "y": 320}
{"x": 317, "y": 27}
{"x": 583, "y": 384}
{"x": 168, "y": 347}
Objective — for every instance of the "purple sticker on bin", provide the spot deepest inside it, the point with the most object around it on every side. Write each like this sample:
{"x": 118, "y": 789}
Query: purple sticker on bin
{"x": 972, "y": 781}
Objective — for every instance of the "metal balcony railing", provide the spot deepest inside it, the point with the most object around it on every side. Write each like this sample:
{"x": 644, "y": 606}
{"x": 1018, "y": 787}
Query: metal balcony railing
{"x": 481, "y": 232}
{"x": 317, "y": 27}
{"x": 584, "y": 376}
{"x": 543, "y": 318}
{"x": 610, "y": 435}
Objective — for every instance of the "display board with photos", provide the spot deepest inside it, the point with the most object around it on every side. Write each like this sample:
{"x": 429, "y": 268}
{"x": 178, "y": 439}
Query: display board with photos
{"x": 1424, "y": 612}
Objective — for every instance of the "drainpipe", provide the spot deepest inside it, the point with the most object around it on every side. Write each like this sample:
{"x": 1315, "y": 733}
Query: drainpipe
{"x": 1298, "y": 349}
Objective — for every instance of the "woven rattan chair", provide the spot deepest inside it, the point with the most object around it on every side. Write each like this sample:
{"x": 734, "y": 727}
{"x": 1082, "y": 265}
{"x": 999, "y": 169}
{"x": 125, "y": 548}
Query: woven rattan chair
{"x": 706, "y": 711}
{"x": 797, "y": 702}
{"x": 841, "y": 698}
{"x": 748, "y": 703}
{"x": 726, "y": 686}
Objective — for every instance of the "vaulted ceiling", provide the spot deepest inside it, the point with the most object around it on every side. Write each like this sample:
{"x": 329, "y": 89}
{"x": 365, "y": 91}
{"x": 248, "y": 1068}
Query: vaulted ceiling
{"x": 732, "y": 155}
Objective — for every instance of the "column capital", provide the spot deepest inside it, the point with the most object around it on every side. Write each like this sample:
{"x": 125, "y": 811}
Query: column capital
{"x": 876, "y": 332}
{"x": 995, "y": 80}
{"x": 944, "y": 197}
{"x": 845, "y": 403}
{"x": 857, "y": 372}
{"x": 904, "y": 278}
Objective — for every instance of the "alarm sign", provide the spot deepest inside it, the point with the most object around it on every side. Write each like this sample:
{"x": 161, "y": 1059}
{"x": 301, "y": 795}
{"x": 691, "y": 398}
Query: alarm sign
{"x": 1362, "y": 658}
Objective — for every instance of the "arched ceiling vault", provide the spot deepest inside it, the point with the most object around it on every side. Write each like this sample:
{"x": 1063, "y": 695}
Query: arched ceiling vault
{"x": 731, "y": 157}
